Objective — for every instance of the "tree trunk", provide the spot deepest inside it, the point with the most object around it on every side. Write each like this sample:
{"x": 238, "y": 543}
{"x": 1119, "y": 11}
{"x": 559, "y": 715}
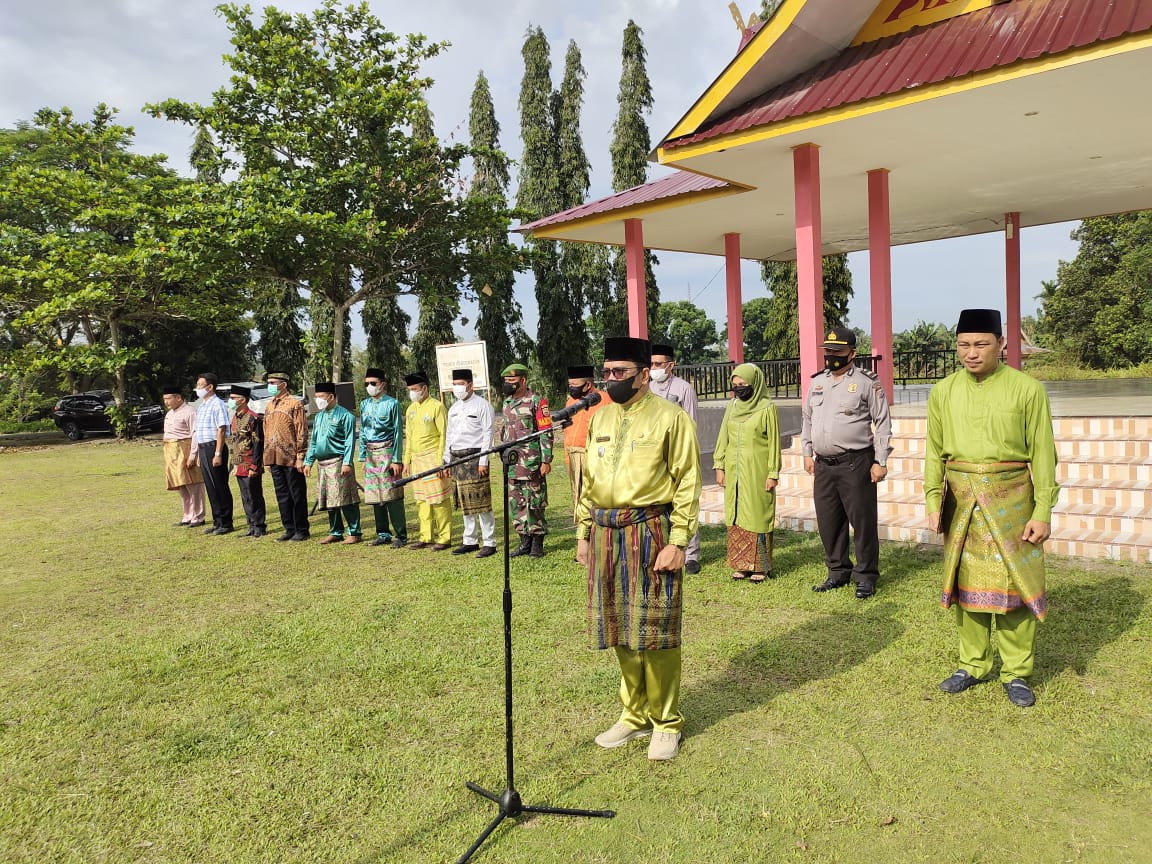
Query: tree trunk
{"x": 338, "y": 314}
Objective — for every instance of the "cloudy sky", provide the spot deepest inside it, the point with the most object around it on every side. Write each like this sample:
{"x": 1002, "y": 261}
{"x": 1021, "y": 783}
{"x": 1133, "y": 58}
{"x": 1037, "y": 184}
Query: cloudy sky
{"x": 129, "y": 52}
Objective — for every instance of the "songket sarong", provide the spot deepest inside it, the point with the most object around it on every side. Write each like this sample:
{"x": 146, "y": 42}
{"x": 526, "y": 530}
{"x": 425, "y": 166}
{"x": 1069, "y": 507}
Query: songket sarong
{"x": 176, "y": 470}
{"x": 748, "y": 551}
{"x": 335, "y": 490}
{"x": 987, "y": 567}
{"x": 378, "y": 488}
{"x": 472, "y": 493}
{"x": 629, "y": 604}
{"x": 433, "y": 489}
{"x": 576, "y": 457}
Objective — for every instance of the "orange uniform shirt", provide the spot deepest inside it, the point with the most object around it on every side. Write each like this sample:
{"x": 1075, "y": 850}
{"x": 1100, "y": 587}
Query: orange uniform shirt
{"x": 576, "y": 435}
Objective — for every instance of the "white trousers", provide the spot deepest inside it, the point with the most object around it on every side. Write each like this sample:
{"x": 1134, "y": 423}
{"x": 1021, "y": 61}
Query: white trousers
{"x": 487, "y": 527}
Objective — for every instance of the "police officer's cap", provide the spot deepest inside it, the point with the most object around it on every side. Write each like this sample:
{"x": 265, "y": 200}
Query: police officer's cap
{"x": 839, "y": 337}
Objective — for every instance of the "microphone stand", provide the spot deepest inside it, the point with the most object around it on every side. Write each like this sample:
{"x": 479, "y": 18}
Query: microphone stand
{"x": 508, "y": 801}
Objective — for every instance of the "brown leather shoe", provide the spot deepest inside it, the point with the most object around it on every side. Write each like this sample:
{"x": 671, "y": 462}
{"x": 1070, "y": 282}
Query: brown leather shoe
{"x": 329, "y": 538}
{"x": 440, "y": 547}
{"x": 351, "y": 538}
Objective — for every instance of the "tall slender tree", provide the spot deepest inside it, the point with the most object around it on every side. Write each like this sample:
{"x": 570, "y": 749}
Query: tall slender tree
{"x": 782, "y": 330}
{"x": 493, "y": 271}
{"x": 386, "y": 330}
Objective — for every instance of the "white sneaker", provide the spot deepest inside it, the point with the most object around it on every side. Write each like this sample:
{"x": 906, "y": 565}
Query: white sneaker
{"x": 619, "y": 734}
{"x": 664, "y": 746}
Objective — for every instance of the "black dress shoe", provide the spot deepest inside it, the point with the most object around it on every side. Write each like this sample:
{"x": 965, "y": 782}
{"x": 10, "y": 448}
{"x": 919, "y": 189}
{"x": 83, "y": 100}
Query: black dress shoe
{"x": 440, "y": 547}
{"x": 863, "y": 592}
{"x": 828, "y": 584}
{"x": 211, "y": 530}
{"x": 486, "y": 552}
{"x": 287, "y": 535}
{"x": 247, "y": 533}
{"x": 399, "y": 543}
{"x": 195, "y": 524}
{"x": 257, "y": 532}
{"x": 692, "y": 567}
{"x": 958, "y": 682}
{"x": 379, "y": 541}
{"x": 219, "y": 532}
{"x": 1019, "y": 693}
{"x": 300, "y": 537}
{"x": 465, "y": 549}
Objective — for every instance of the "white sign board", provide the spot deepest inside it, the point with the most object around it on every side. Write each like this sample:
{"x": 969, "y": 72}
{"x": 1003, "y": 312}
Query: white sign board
{"x": 462, "y": 355}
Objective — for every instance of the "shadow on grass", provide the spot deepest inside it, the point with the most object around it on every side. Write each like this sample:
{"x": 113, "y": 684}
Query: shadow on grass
{"x": 1082, "y": 620}
{"x": 820, "y": 648}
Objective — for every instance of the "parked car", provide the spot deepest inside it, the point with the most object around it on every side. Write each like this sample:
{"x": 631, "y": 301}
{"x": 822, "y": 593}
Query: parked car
{"x": 84, "y": 414}
{"x": 260, "y": 393}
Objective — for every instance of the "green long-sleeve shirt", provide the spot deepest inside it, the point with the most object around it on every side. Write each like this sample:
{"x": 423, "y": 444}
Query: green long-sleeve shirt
{"x": 333, "y": 435}
{"x": 1004, "y": 418}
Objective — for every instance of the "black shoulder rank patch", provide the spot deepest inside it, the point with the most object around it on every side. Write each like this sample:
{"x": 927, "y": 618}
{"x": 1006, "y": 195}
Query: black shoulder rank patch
{"x": 816, "y": 373}
{"x": 867, "y": 372}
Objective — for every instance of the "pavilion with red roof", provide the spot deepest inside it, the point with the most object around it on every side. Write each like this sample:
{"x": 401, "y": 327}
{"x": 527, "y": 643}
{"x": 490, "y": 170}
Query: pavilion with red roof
{"x": 843, "y": 125}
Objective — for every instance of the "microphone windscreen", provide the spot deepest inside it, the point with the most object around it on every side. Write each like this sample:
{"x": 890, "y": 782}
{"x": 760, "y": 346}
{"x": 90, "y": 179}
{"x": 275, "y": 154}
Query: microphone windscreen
{"x": 593, "y": 398}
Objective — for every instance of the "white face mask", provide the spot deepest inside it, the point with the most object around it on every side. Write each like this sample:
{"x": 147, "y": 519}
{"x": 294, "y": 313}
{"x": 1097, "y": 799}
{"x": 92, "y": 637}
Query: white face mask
{"x": 201, "y": 392}
{"x": 321, "y": 403}
{"x": 460, "y": 391}
{"x": 414, "y": 395}
{"x": 373, "y": 389}
{"x": 659, "y": 375}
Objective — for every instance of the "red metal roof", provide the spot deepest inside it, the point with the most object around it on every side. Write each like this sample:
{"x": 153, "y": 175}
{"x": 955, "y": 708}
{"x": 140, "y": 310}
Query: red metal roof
{"x": 998, "y": 36}
{"x": 673, "y": 186}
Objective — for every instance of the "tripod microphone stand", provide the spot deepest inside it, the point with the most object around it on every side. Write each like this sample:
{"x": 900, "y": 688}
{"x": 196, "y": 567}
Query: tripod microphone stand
{"x": 508, "y": 801}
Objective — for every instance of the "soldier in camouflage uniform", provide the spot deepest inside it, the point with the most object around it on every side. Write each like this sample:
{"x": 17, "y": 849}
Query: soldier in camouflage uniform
{"x": 525, "y": 413}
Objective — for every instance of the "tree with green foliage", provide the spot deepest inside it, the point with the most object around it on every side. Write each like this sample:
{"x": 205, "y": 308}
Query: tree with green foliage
{"x": 924, "y": 336}
{"x": 386, "y": 331}
{"x": 97, "y": 241}
{"x": 782, "y": 331}
{"x": 685, "y": 325}
{"x": 1099, "y": 308}
{"x": 334, "y": 192}
{"x": 492, "y": 275}
{"x": 757, "y": 314}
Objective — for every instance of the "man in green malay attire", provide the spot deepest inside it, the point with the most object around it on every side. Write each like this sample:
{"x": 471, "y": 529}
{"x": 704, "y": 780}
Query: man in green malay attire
{"x": 331, "y": 449}
{"x": 426, "y": 430}
{"x": 382, "y": 452}
{"x": 524, "y": 414}
{"x": 637, "y": 512}
{"x": 990, "y": 484}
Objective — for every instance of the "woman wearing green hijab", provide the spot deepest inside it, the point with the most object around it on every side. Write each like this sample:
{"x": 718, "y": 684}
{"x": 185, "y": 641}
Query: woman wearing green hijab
{"x": 747, "y": 462}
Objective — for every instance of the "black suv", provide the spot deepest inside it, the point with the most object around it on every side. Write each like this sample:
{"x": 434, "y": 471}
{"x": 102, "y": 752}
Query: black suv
{"x": 84, "y": 412}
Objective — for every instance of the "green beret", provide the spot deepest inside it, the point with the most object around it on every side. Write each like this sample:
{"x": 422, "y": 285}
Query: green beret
{"x": 514, "y": 369}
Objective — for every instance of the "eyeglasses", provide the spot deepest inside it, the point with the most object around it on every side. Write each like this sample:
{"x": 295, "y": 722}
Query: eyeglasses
{"x": 660, "y": 364}
{"x": 619, "y": 373}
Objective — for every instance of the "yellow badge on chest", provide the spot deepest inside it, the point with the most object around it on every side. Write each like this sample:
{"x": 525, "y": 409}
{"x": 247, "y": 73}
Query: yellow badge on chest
{"x": 852, "y": 387}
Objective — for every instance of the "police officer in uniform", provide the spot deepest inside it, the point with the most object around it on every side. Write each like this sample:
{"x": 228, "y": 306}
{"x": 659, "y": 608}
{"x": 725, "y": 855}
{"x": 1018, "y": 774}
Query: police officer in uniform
{"x": 847, "y": 459}
{"x": 524, "y": 413}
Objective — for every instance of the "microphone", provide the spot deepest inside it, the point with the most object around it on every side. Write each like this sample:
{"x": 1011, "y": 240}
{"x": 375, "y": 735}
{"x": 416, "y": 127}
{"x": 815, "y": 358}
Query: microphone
{"x": 584, "y": 404}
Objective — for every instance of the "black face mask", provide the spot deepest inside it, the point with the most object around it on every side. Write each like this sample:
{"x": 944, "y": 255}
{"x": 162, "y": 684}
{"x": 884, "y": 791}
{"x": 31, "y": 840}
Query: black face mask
{"x": 509, "y": 389}
{"x": 621, "y": 391}
{"x": 576, "y": 392}
{"x": 833, "y": 363}
{"x": 743, "y": 392}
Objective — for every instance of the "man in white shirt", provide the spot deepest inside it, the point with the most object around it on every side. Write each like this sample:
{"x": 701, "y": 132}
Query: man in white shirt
{"x": 470, "y": 423}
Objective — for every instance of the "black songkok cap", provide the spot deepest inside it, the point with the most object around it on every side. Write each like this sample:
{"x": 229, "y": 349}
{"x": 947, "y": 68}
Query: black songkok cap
{"x": 664, "y": 351}
{"x": 238, "y": 390}
{"x": 980, "y": 321}
{"x": 415, "y": 378}
{"x": 373, "y": 372}
{"x": 324, "y": 387}
{"x": 173, "y": 391}
{"x": 461, "y": 374}
{"x": 639, "y": 351}
{"x": 839, "y": 337}
{"x": 581, "y": 372}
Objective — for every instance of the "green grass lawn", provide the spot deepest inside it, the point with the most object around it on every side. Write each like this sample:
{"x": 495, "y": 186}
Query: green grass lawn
{"x": 170, "y": 697}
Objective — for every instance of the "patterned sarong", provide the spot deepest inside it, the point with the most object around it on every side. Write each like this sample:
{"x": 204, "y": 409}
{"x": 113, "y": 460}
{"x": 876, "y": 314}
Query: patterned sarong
{"x": 378, "y": 488}
{"x": 176, "y": 470}
{"x": 629, "y": 604}
{"x": 987, "y": 567}
{"x": 472, "y": 493}
{"x": 433, "y": 489}
{"x": 576, "y": 475}
{"x": 335, "y": 490}
{"x": 748, "y": 551}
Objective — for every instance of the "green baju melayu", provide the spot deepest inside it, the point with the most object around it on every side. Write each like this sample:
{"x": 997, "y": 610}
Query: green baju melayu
{"x": 330, "y": 448}
{"x": 990, "y": 469}
{"x": 748, "y": 452}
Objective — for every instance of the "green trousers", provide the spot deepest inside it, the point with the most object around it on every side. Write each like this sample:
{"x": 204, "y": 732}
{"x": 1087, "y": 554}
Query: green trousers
{"x": 336, "y": 523}
{"x": 650, "y": 689}
{"x": 392, "y": 512}
{"x": 1015, "y": 637}
{"x": 435, "y": 521}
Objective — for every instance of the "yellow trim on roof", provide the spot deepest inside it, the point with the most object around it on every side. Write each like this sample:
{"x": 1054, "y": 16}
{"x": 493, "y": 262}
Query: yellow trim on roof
{"x": 913, "y": 13}
{"x": 740, "y": 66}
{"x": 636, "y": 211}
{"x": 798, "y": 125}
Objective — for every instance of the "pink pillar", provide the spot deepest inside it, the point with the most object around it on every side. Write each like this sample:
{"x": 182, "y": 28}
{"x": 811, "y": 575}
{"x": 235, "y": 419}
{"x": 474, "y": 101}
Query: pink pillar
{"x": 735, "y": 303}
{"x": 880, "y": 275}
{"x": 1012, "y": 283}
{"x": 809, "y": 259}
{"x": 637, "y": 293}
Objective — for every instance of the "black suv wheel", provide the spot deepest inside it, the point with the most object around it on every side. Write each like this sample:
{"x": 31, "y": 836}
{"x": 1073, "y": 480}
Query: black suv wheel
{"x": 72, "y": 430}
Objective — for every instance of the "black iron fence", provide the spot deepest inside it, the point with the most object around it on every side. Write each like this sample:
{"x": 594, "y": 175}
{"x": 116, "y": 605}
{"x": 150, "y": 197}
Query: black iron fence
{"x": 713, "y": 380}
